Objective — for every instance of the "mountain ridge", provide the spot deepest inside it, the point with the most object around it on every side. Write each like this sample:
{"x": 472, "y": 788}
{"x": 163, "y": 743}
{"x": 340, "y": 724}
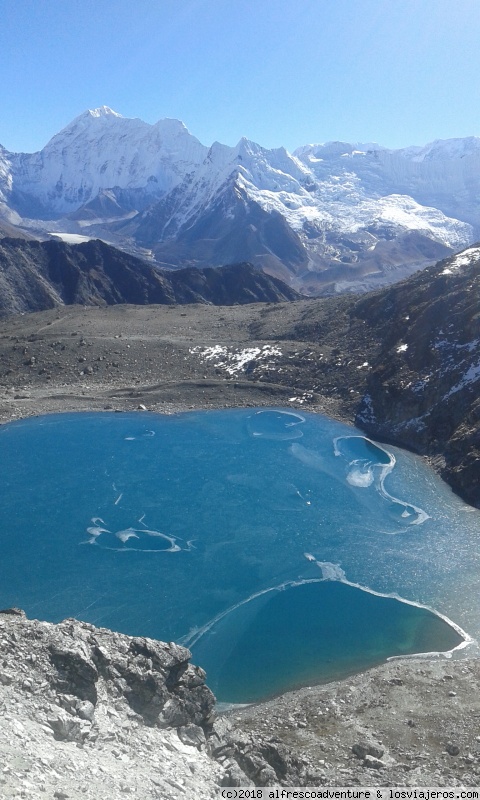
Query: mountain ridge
{"x": 38, "y": 275}
{"x": 352, "y": 209}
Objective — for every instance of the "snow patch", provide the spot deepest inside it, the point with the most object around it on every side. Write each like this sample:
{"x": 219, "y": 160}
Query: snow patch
{"x": 415, "y": 424}
{"x": 71, "y": 238}
{"x": 471, "y": 376}
{"x": 306, "y": 397}
{"x": 234, "y": 361}
{"x": 462, "y": 260}
{"x": 367, "y": 414}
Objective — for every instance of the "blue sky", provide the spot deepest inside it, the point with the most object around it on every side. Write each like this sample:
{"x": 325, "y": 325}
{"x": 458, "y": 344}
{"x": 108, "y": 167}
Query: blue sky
{"x": 281, "y": 72}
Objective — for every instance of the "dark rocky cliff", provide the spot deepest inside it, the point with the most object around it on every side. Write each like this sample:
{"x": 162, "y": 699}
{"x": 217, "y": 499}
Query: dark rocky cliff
{"x": 423, "y": 390}
{"x": 83, "y": 664}
{"x": 88, "y": 713}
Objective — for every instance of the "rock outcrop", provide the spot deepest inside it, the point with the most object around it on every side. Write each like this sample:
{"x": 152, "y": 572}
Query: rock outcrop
{"x": 91, "y": 713}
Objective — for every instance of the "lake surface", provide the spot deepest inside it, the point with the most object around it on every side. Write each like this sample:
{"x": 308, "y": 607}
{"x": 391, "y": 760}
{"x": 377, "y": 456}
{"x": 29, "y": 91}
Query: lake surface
{"x": 250, "y": 535}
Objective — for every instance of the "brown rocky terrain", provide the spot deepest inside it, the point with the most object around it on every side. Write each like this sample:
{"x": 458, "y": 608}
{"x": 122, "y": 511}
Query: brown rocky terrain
{"x": 160, "y": 356}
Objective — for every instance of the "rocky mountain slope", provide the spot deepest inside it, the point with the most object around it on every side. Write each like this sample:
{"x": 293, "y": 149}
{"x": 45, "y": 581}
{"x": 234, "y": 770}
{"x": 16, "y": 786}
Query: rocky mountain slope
{"x": 7, "y": 230}
{"x": 38, "y": 275}
{"x": 423, "y": 388}
{"x": 407, "y": 364}
{"x": 326, "y": 218}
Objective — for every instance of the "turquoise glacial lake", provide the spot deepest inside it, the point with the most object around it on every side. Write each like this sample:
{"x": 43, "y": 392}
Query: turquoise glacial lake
{"x": 283, "y": 548}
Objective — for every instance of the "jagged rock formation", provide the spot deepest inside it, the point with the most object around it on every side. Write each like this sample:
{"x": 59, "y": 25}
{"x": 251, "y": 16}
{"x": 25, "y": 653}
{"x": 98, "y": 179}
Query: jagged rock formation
{"x": 39, "y": 275}
{"x": 84, "y": 708}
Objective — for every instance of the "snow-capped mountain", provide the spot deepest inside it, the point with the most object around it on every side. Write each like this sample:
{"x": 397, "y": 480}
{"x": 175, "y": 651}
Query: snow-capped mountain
{"x": 102, "y": 150}
{"x": 443, "y": 174}
{"x": 329, "y": 217}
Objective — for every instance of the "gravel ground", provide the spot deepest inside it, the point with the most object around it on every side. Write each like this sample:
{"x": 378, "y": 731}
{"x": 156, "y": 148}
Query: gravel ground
{"x": 123, "y": 357}
{"x": 411, "y": 722}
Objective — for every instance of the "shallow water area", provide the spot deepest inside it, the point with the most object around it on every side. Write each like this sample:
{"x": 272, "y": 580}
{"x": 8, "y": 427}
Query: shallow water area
{"x": 311, "y": 633}
{"x": 183, "y": 528}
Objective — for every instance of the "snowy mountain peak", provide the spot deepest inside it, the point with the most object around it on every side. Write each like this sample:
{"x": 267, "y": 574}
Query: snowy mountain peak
{"x": 444, "y": 149}
{"x": 99, "y": 150}
{"x": 332, "y": 214}
{"x": 102, "y": 111}
{"x": 173, "y": 125}
{"x": 331, "y": 150}
{"x": 91, "y": 118}
{"x": 87, "y": 124}
{"x": 247, "y": 147}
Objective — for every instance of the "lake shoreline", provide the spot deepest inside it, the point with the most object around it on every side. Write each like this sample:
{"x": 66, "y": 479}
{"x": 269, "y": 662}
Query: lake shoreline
{"x": 168, "y": 379}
